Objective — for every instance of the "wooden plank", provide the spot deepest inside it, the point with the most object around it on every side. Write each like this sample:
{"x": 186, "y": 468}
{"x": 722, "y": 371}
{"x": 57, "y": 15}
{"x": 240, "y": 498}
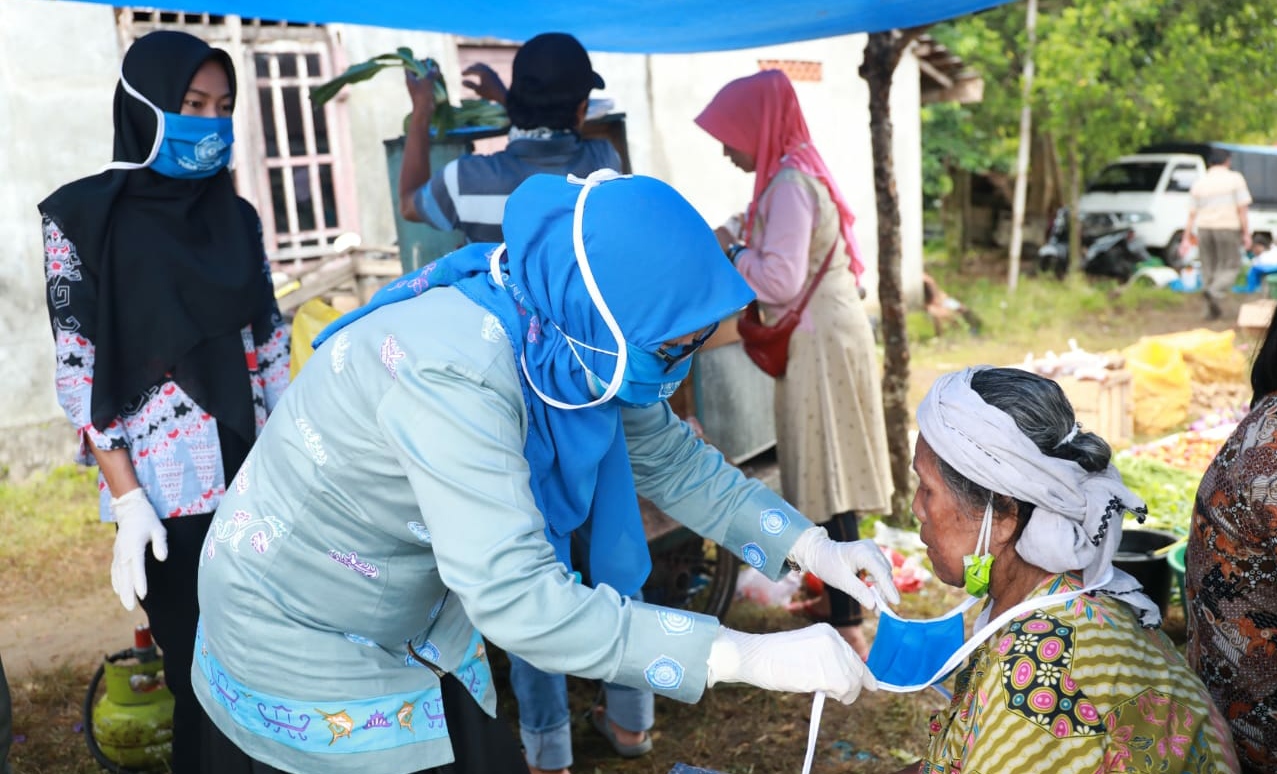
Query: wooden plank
{"x": 378, "y": 267}
{"x": 317, "y": 285}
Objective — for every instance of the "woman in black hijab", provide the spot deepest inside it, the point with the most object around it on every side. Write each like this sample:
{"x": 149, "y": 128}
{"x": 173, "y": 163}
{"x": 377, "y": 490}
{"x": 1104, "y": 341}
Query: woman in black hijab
{"x": 170, "y": 348}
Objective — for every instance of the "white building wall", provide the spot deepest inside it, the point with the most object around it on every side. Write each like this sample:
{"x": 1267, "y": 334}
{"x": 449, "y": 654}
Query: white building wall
{"x": 55, "y": 126}
{"x": 661, "y": 96}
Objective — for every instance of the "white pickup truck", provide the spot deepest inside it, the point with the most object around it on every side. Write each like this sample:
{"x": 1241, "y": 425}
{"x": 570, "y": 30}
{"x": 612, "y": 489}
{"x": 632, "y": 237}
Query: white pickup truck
{"x": 1149, "y": 190}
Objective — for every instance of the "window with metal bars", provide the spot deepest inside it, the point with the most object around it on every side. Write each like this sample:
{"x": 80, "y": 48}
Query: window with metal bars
{"x": 293, "y": 162}
{"x": 301, "y": 155}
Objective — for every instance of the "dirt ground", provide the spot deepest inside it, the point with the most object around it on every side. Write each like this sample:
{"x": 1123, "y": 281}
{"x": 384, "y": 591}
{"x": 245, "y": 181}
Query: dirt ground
{"x": 65, "y": 631}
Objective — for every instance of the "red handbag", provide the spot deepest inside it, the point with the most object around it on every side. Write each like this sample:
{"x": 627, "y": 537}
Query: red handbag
{"x": 768, "y": 345}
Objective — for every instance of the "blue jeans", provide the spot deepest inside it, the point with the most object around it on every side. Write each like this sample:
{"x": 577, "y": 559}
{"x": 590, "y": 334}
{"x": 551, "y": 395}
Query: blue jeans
{"x": 545, "y": 722}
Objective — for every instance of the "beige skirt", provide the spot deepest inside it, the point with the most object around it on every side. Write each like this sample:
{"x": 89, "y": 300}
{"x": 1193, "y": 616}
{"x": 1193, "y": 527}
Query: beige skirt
{"x": 831, "y": 439}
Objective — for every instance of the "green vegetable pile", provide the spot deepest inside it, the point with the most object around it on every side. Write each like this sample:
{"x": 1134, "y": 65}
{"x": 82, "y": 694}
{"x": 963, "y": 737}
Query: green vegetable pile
{"x": 1169, "y": 492}
{"x": 471, "y": 112}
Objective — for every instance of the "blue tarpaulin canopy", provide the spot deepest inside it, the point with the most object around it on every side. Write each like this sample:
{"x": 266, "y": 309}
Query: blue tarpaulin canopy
{"x": 630, "y": 26}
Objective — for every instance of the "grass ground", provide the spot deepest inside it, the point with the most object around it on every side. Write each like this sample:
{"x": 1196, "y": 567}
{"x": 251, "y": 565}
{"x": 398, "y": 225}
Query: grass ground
{"x": 55, "y": 553}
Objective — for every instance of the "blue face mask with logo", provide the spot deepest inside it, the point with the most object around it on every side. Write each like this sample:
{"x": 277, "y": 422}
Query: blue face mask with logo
{"x": 193, "y": 146}
{"x": 185, "y": 147}
{"x": 646, "y": 381}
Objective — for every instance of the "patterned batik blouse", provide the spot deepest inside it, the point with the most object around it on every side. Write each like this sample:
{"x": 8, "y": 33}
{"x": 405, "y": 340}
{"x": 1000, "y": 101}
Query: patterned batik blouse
{"x": 171, "y": 440}
{"x": 1078, "y": 688}
{"x": 1230, "y": 582}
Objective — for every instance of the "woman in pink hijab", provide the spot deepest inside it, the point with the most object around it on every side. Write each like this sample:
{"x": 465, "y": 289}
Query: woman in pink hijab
{"x": 831, "y": 438}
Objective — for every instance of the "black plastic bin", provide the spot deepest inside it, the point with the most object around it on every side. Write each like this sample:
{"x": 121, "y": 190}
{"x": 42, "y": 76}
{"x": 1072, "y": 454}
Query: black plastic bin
{"x": 1135, "y": 556}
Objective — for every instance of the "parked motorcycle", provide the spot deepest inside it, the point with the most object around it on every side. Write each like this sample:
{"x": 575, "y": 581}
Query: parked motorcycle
{"x": 1110, "y": 247}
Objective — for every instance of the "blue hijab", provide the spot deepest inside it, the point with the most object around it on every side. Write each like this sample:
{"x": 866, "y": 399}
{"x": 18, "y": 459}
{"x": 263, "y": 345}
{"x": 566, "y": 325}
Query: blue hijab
{"x": 657, "y": 268}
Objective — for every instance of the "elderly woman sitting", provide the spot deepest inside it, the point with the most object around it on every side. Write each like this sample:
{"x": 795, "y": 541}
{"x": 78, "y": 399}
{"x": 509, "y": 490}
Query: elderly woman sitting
{"x": 1068, "y": 671}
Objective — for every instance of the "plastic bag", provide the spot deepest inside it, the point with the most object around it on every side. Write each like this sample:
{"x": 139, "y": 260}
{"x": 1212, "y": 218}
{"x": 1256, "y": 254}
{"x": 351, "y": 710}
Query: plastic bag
{"x": 761, "y": 590}
{"x": 1210, "y": 355}
{"x": 310, "y": 318}
{"x": 1161, "y": 385}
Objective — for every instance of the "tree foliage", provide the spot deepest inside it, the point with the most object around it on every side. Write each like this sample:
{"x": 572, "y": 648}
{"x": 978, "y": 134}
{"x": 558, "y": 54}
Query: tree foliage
{"x": 1112, "y": 75}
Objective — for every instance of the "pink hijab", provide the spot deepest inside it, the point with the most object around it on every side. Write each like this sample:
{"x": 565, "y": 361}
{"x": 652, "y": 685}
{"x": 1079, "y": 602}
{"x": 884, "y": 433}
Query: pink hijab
{"x": 760, "y": 115}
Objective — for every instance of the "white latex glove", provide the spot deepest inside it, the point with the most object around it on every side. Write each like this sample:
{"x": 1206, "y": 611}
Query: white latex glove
{"x": 801, "y": 661}
{"x": 837, "y": 564}
{"x": 138, "y": 525}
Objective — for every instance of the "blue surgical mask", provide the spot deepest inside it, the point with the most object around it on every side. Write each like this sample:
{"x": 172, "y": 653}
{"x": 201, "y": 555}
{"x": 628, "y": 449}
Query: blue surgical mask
{"x": 190, "y": 147}
{"x": 911, "y": 655}
{"x": 645, "y": 381}
{"x": 193, "y": 146}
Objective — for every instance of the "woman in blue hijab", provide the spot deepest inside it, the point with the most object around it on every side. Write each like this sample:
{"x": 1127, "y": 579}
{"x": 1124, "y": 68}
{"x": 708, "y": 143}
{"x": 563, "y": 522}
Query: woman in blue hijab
{"x": 415, "y": 491}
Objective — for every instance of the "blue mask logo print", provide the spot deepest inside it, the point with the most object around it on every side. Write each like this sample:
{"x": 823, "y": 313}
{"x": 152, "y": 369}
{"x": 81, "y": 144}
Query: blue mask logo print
{"x": 193, "y": 147}
{"x": 208, "y": 152}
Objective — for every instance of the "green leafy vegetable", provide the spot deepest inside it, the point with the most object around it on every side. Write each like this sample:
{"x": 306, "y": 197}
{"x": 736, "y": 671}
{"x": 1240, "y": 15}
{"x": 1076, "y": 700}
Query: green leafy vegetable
{"x": 1169, "y": 492}
{"x": 472, "y": 112}
{"x": 357, "y": 73}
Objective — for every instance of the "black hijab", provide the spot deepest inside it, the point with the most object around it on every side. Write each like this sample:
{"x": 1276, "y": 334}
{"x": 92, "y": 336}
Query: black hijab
{"x": 176, "y": 266}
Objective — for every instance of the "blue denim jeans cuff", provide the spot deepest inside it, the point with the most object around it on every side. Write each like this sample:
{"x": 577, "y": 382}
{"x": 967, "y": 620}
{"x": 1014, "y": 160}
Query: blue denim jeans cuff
{"x": 550, "y": 749}
{"x": 631, "y": 709}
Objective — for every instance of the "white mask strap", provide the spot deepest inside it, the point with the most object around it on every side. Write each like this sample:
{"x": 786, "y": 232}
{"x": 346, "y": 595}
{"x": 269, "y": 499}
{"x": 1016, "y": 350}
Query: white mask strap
{"x": 573, "y": 344}
{"x": 986, "y": 530}
{"x": 577, "y": 343}
{"x": 494, "y": 265}
{"x": 159, "y": 130}
{"x": 884, "y": 608}
{"x": 587, "y": 276}
{"x": 596, "y": 296}
{"x": 813, "y": 730}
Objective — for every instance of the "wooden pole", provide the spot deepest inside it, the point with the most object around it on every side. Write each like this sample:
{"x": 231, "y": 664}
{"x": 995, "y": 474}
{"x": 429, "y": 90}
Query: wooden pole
{"x": 1022, "y": 157}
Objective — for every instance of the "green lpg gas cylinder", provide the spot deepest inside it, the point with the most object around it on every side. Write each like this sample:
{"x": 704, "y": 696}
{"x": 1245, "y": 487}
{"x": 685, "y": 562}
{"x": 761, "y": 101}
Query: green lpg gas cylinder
{"x": 133, "y": 722}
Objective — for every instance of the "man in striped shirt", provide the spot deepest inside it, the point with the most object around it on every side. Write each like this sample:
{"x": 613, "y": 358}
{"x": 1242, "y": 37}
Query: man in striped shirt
{"x": 546, "y": 102}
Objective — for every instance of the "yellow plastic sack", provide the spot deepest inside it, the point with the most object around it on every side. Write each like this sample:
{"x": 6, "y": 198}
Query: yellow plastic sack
{"x": 1161, "y": 385}
{"x": 311, "y": 318}
{"x": 1210, "y": 355}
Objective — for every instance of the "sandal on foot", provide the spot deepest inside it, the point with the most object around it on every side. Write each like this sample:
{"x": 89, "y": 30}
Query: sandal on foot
{"x": 600, "y": 723}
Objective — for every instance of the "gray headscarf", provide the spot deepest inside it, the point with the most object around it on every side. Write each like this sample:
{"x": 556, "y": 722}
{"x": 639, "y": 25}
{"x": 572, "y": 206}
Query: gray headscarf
{"x": 1077, "y": 523}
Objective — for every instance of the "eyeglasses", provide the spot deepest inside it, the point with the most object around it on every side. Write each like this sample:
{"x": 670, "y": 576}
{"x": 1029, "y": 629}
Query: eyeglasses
{"x": 673, "y": 355}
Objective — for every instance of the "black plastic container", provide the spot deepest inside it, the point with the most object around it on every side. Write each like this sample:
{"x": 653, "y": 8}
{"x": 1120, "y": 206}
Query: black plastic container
{"x": 1135, "y": 556}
